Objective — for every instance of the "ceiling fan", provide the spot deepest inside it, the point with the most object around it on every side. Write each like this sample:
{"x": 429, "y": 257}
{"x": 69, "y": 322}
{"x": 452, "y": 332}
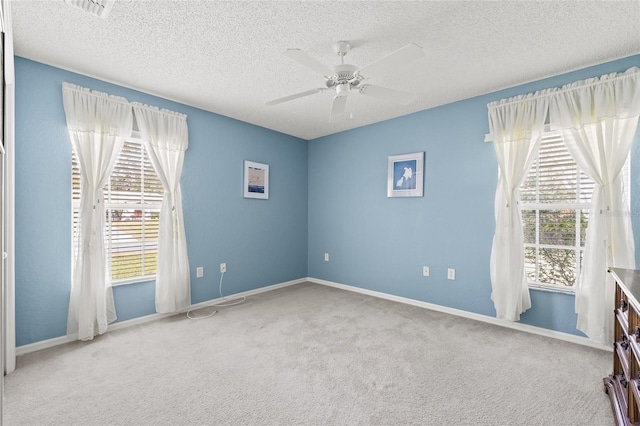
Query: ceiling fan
{"x": 346, "y": 78}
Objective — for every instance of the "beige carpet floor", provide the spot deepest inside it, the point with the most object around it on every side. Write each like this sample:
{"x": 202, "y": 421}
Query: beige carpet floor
{"x": 312, "y": 355}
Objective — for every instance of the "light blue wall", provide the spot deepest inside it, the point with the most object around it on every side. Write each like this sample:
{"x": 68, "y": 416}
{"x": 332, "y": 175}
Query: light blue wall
{"x": 374, "y": 242}
{"x": 263, "y": 242}
{"x": 381, "y": 243}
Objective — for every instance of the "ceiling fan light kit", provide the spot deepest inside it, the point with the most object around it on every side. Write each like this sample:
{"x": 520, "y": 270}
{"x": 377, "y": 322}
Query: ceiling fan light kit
{"x": 344, "y": 77}
{"x": 342, "y": 89}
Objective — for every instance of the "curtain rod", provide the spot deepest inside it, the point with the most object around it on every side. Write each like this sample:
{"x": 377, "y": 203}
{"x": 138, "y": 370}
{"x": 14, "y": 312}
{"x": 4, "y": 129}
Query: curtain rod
{"x": 97, "y": 93}
{"x": 156, "y": 109}
{"x": 603, "y": 79}
{"x": 119, "y": 99}
{"x": 553, "y": 91}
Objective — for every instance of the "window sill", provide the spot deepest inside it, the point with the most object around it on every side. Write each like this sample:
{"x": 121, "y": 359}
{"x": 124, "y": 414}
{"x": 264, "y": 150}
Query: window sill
{"x": 552, "y": 289}
{"x": 134, "y": 280}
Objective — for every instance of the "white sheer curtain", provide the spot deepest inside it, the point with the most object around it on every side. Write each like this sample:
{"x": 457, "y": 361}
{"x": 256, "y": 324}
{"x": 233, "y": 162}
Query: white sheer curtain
{"x": 515, "y": 126}
{"x": 98, "y": 125}
{"x": 598, "y": 120}
{"x": 166, "y": 134}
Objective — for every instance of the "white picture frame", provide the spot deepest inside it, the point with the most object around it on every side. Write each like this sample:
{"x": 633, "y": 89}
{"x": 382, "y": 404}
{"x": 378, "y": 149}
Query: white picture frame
{"x": 405, "y": 175}
{"x": 256, "y": 180}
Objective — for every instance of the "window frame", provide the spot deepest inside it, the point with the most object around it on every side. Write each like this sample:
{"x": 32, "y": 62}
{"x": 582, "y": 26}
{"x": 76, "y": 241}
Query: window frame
{"x": 145, "y": 208}
{"x": 539, "y": 206}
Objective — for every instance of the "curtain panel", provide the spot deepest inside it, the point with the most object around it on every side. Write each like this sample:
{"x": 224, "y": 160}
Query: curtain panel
{"x": 598, "y": 120}
{"x": 166, "y": 136}
{"x": 98, "y": 124}
{"x": 516, "y": 126}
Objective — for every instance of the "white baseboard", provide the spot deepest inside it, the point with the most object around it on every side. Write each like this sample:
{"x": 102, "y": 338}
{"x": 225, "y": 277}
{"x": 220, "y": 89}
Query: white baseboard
{"x": 44, "y": 344}
{"x": 244, "y": 294}
{"x": 49, "y": 343}
{"x": 572, "y": 338}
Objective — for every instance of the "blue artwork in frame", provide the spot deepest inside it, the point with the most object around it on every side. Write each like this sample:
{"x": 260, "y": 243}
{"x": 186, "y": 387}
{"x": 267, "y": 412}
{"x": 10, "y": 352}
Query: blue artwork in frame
{"x": 405, "y": 175}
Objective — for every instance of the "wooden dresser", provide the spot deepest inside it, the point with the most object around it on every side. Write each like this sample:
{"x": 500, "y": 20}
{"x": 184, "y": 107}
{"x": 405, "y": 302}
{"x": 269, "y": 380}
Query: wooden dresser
{"x": 623, "y": 385}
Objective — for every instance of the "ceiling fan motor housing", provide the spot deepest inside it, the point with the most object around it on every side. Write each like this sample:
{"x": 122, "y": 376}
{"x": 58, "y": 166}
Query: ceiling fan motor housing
{"x": 344, "y": 72}
{"x": 344, "y": 78}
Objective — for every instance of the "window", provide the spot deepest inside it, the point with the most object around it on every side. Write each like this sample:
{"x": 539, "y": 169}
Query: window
{"x": 133, "y": 197}
{"x": 555, "y": 202}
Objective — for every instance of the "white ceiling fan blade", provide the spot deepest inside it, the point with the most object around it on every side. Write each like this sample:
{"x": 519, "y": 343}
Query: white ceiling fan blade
{"x": 386, "y": 94}
{"x": 393, "y": 60}
{"x": 309, "y": 62}
{"x": 294, "y": 96}
{"x": 338, "y": 108}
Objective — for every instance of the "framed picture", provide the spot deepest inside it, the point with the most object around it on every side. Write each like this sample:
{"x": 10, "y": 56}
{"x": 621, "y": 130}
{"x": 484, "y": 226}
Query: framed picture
{"x": 405, "y": 175}
{"x": 256, "y": 180}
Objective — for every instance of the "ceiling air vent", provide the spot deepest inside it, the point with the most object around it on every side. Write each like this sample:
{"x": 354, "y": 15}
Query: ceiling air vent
{"x": 98, "y": 8}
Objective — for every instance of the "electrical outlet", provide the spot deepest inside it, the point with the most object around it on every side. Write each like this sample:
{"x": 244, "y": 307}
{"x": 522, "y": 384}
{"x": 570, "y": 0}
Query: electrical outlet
{"x": 326, "y": 257}
{"x": 199, "y": 272}
{"x": 451, "y": 274}
{"x": 425, "y": 271}
{"x": 223, "y": 268}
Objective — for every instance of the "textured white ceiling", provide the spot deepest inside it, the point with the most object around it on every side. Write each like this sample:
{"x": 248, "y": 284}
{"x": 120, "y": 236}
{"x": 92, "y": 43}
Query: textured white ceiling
{"x": 226, "y": 56}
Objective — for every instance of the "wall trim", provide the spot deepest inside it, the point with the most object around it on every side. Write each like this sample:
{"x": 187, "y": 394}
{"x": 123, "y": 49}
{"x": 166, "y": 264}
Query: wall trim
{"x": 571, "y": 338}
{"x": 244, "y": 294}
{"x": 49, "y": 343}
